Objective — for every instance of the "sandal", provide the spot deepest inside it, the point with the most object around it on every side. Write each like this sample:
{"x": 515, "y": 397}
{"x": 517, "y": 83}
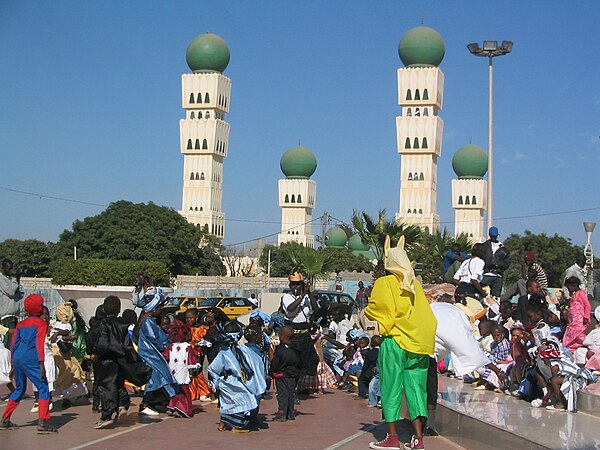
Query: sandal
{"x": 45, "y": 427}
{"x": 6, "y": 424}
{"x": 221, "y": 427}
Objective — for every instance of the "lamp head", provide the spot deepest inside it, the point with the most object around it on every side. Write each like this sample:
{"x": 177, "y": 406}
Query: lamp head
{"x": 490, "y": 46}
{"x": 507, "y": 46}
{"x": 589, "y": 226}
{"x": 473, "y": 47}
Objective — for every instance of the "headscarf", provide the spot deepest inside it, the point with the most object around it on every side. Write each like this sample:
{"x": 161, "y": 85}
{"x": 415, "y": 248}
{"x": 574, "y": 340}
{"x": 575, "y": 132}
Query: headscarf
{"x": 264, "y": 316}
{"x": 396, "y": 261}
{"x": 229, "y": 339}
{"x": 34, "y": 304}
{"x": 64, "y": 312}
{"x": 549, "y": 349}
{"x": 152, "y": 299}
{"x": 178, "y": 331}
{"x": 597, "y": 313}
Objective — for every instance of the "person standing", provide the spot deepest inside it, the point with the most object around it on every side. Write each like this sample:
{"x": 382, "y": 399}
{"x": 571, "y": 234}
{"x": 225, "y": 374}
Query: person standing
{"x": 578, "y": 315}
{"x": 532, "y": 271}
{"x": 299, "y": 306}
{"x": 362, "y": 300}
{"x": 497, "y": 260}
{"x": 576, "y": 270}
{"x": 407, "y": 326}
{"x": 11, "y": 292}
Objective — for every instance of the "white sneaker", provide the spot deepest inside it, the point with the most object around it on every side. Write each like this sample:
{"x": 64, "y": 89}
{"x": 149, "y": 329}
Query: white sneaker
{"x": 204, "y": 398}
{"x": 35, "y": 408}
{"x": 149, "y": 412}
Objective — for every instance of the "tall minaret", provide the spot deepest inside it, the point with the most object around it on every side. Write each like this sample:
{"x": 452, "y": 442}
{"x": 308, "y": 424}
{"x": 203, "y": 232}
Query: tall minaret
{"x": 204, "y": 133}
{"x": 419, "y": 129}
{"x": 469, "y": 192}
{"x": 297, "y": 196}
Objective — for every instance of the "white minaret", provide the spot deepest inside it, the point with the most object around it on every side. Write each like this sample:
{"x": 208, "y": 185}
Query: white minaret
{"x": 469, "y": 192}
{"x": 297, "y": 196}
{"x": 204, "y": 133}
{"x": 420, "y": 129}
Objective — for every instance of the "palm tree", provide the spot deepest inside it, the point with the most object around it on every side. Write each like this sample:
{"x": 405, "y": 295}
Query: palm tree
{"x": 373, "y": 232}
{"x": 312, "y": 263}
{"x": 443, "y": 242}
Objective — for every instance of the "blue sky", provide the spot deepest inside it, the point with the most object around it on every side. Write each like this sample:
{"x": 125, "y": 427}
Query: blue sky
{"x": 91, "y": 104}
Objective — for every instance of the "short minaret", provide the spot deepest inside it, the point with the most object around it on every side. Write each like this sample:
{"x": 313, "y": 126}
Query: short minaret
{"x": 297, "y": 196}
{"x": 419, "y": 129}
{"x": 469, "y": 192}
{"x": 204, "y": 133}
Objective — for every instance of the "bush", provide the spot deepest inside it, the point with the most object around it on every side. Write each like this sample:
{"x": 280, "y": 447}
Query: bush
{"x": 109, "y": 272}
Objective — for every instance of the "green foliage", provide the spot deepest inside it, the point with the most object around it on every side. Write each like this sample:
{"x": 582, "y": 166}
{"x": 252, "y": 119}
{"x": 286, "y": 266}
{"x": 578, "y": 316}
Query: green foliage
{"x": 143, "y": 232}
{"x": 342, "y": 259}
{"x": 32, "y": 256}
{"x": 94, "y": 272}
{"x": 554, "y": 253}
{"x": 281, "y": 261}
{"x": 430, "y": 251}
{"x": 373, "y": 232}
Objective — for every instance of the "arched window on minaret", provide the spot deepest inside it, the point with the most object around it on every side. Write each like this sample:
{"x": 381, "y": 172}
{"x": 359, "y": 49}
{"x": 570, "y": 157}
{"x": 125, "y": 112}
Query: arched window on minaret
{"x": 417, "y": 95}
{"x": 425, "y": 112}
{"x": 460, "y": 200}
{"x": 416, "y": 143}
{"x": 409, "y": 176}
{"x": 425, "y": 94}
{"x": 192, "y": 98}
{"x": 421, "y": 178}
{"x": 192, "y": 115}
{"x": 225, "y": 103}
{"x": 416, "y": 176}
{"x": 191, "y": 209}
{"x": 207, "y": 115}
{"x": 189, "y": 146}
{"x": 407, "y": 143}
{"x": 197, "y": 144}
{"x": 424, "y": 142}
{"x": 201, "y": 208}
{"x": 467, "y": 200}
{"x": 192, "y": 176}
{"x": 199, "y": 98}
{"x": 196, "y": 208}
{"x": 420, "y": 211}
{"x": 299, "y": 198}
{"x": 408, "y": 212}
{"x": 293, "y": 198}
{"x": 408, "y": 95}
{"x": 199, "y": 114}
{"x": 204, "y": 144}
{"x": 474, "y": 201}
{"x": 408, "y": 112}
{"x": 200, "y": 176}
{"x": 206, "y": 98}
{"x": 414, "y": 211}
{"x": 287, "y": 198}
{"x": 417, "y": 112}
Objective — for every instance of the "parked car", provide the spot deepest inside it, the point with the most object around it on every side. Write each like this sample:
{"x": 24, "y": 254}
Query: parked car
{"x": 231, "y": 306}
{"x": 179, "y": 305}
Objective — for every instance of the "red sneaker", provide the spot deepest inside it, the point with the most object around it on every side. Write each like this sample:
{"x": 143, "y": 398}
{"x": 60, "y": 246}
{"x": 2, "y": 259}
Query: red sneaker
{"x": 415, "y": 442}
{"x": 390, "y": 442}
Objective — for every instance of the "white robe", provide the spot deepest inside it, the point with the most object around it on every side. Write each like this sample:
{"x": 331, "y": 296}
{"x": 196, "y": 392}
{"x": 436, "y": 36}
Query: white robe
{"x": 454, "y": 336}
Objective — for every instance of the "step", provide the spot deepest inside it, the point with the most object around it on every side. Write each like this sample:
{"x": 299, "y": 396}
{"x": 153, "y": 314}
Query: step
{"x": 485, "y": 420}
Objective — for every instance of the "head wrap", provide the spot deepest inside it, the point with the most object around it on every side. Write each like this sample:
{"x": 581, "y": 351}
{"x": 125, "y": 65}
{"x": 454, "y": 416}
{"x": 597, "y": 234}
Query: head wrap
{"x": 64, "y": 312}
{"x": 34, "y": 305}
{"x": 396, "y": 261}
{"x": 529, "y": 256}
{"x": 597, "y": 313}
{"x": 549, "y": 349}
{"x": 152, "y": 299}
{"x": 229, "y": 335}
{"x": 178, "y": 331}
{"x": 264, "y": 316}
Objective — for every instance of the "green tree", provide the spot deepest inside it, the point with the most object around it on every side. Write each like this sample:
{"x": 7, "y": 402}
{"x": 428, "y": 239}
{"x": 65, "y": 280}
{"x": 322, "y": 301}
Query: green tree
{"x": 373, "y": 231}
{"x": 281, "y": 260}
{"x": 342, "y": 259}
{"x": 143, "y": 232}
{"x": 554, "y": 254}
{"x": 108, "y": 272}
{"x": 33, "y": 257}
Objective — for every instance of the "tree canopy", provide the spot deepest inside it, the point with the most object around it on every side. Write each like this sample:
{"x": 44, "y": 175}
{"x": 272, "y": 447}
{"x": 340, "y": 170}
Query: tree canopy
{"x": 33, "y": 257}
{"x": 143, "y": 232}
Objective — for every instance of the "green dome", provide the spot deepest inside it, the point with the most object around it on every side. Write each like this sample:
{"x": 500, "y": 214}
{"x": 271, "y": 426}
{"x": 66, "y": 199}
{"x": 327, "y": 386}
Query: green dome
{"x": 298, "y": 162}
{"x": 335, "y": 237}
{"x": 367, "y": 254}
{"x": 470, "y": 161}
{"x": 421, "y": 47}
{"x": 207, "y": 53}
{"x": 355, "y": 243}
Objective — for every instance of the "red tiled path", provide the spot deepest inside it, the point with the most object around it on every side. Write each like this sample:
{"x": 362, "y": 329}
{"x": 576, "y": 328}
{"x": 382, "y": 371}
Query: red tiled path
{"x": 335, "y": 420}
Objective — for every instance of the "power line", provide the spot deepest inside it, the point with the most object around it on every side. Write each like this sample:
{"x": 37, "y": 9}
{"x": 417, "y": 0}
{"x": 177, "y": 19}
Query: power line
{"x": 62, "y": 199}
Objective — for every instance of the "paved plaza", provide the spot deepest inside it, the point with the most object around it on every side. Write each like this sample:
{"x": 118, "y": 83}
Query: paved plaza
{"x": 335, "y": 420}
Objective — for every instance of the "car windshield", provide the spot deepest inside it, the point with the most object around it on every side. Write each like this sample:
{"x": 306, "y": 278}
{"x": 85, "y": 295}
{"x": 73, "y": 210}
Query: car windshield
{"x": 174, "y": 301}
{"x": 209, "y": 302}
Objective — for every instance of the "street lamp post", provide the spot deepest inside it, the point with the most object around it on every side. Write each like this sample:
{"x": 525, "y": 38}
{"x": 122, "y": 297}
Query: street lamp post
{"x": 490, "y": 50}
{"x": 588, "y": 252}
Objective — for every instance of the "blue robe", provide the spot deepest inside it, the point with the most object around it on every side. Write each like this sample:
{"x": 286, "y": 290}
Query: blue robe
{"x": 151, "y": 343}
{"x": 258, "y": 383}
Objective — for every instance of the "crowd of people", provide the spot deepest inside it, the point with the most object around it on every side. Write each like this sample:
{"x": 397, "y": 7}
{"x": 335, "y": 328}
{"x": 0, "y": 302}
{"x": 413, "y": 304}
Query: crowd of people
{"x": 514, "y": 340}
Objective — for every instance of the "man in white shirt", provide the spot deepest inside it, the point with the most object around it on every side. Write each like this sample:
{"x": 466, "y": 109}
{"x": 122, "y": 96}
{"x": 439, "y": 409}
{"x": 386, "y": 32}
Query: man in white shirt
{"x": 576, "y": 270}
{"x": 468, "y": 277}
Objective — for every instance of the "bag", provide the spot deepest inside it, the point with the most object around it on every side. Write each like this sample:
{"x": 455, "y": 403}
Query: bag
{"x": 134, "y": 369}
{"x": 64, "y": 347}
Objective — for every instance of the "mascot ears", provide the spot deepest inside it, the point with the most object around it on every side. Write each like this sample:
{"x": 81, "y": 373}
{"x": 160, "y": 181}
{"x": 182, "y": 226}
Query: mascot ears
{"x": 388, "y": 242}
{"x": 396, "y": 261}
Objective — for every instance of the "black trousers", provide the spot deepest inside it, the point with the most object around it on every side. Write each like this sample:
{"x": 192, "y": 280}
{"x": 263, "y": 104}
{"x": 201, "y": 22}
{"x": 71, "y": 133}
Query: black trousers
{"x": 303, "y": 344}
{"x": 157, "y": 400}
{"x": 363, "y": 383}
{"x": 285, "y": 395}
{"x": 109, "y": 385}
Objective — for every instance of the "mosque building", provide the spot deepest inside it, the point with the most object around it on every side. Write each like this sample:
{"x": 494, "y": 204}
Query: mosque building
{"x": 419, "y": 128}
{"x": 204, "y": 133}
{"x": 469, "y": 192}
{"x": 297, "y": 196}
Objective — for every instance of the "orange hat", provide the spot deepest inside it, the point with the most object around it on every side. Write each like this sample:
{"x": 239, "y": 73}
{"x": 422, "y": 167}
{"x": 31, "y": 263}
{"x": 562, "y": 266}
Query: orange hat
{"x": 34, "y": 304}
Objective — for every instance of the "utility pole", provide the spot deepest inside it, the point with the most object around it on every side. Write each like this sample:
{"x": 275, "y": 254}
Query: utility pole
{"x": 324, "y": 223}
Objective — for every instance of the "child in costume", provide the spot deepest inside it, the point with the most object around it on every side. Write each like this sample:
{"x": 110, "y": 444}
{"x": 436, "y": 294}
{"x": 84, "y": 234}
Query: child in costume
{"x": 285, "y": 370}
{"x": 48, "y": 364}
{"x": 199, "y": 388}
{"x": 407, "y": 325}
{"x": 183, "y": 363}
{"x": 28, "y": 363}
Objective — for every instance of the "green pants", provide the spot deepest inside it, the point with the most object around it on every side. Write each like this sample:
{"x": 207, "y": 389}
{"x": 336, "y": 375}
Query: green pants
{"x": 401, "y": 370}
